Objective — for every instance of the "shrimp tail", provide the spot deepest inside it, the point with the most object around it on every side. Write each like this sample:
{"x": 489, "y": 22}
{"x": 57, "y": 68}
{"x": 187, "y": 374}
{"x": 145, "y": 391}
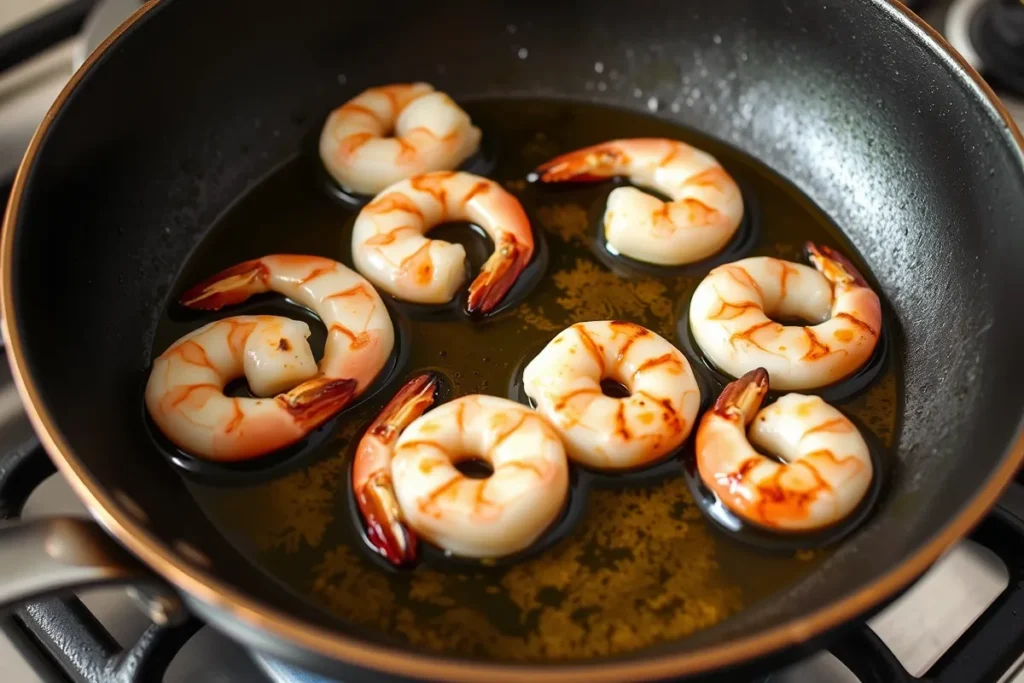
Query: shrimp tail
{"x": 314, "y": 401}
{"x": 741, "y": 399}
{"x": 411, "y": 401}
{"x": 384, "y": 526}
{"x": 836, "y": 268}
{"x": 231, "y": 286}
{"x": 585, "y": 165}
{"x": 497, "y": 276}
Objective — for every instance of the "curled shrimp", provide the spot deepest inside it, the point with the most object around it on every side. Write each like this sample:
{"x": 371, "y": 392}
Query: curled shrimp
{"x": 429, "y": 133}
{"x": 825, "y": 469}
{"x": 360, "y": 335}
{"x": 371, "y": 470}
{"x": 704, "y": 211}
{"x": 185, "y": 391}
{"x": 600, "y": 431}
{"x": 731, "y": 311}
{"x": 491, "y": 517}
{"x": 389, "y": 247}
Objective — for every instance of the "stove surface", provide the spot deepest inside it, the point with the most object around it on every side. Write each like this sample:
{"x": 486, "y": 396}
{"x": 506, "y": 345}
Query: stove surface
{"x": 918, "y": 628}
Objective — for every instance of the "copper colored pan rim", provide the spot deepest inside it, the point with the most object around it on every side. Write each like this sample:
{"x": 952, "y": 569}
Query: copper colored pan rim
{"x": 248, "y": 611}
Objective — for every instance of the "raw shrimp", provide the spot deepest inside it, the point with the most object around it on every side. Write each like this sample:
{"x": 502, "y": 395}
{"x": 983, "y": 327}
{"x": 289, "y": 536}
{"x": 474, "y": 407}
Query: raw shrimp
{"x": 731, "y": 311}
{"x": 389, "y": 247}
{"x": 492, "y": 517}
{"x": 704, "y": 211}
{"x": 602, "y": 432}
{"x": 371, "y": 471}
{"x": 825, "y": 469}
{"x": 430, "y": 133}
{"x": 185, "y": 392}
{"x": 360, "y": 335}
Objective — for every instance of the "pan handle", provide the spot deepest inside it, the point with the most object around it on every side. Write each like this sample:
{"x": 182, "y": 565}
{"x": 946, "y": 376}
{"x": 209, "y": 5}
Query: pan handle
{"x": 45, "y": 557}
{"x": 62, "y": 639}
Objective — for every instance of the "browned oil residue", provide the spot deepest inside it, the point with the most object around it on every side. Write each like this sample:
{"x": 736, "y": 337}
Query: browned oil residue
{"x": 643, "y": 566}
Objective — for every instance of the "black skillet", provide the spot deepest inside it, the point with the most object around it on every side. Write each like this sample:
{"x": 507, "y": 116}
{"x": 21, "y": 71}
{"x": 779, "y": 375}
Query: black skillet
{"x": 859, "y": 104}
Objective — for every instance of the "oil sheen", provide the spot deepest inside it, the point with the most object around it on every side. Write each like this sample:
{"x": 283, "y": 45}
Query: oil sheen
{"x": 633, "y": 561}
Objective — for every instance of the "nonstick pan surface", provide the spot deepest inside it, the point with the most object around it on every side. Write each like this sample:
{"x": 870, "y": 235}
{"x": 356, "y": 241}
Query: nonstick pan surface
{"x": 859, "y": 105}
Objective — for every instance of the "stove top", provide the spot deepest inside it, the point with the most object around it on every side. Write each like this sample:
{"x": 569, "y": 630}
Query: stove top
{"x": 990, "y": 34}
{"x": 958, "y": 624}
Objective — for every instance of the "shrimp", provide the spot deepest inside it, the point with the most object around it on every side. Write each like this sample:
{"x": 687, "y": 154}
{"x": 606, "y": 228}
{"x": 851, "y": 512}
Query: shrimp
{"x": 706, "y": 205}
{"x": 491, "y": 517}
{"x": 731, "y": 310}
{"x": 430, "y": 133}
{"x": 185, "y": 391}
{"x": 606, "y": 433}
{"x": 371, "y": 470}
{"x": 825, "y": 469}
{"x": 389, "y": 247}
{"x": 360, "y": 335}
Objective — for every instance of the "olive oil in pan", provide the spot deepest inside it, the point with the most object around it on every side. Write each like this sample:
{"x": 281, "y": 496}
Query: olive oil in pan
{"x": 633, "y": 561}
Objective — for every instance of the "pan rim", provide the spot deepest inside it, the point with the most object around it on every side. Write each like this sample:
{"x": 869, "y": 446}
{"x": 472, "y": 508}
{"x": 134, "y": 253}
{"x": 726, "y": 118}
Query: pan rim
{"x": 249, "y": 612}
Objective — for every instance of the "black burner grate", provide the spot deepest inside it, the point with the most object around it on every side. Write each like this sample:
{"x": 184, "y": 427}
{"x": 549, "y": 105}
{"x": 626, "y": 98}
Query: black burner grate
{"x": 994, "y": 641}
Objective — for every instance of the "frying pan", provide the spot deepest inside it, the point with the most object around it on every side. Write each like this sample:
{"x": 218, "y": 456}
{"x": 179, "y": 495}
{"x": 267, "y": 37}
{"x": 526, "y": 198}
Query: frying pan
{"x": 860, "y": 105}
